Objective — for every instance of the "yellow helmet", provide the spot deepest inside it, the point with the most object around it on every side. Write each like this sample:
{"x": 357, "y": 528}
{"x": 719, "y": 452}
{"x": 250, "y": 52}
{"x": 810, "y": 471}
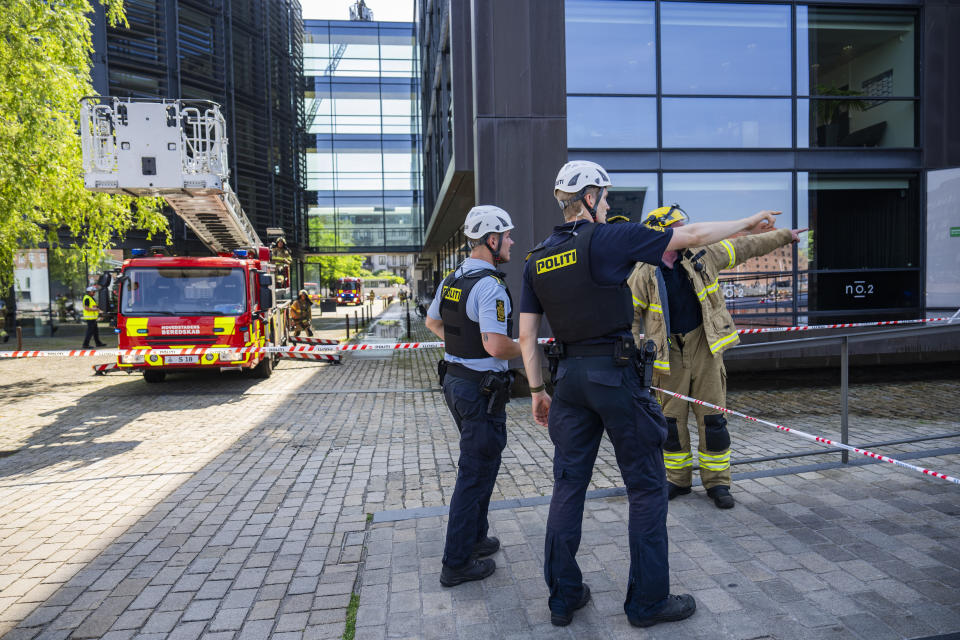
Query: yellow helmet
{"x": 617, "y": 218}
{"x": 665, "y": 216}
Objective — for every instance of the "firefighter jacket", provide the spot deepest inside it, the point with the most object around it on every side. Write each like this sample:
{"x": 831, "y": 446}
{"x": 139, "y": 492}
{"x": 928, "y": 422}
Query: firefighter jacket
{"x": 718, "y": 326}
{"x": 301, "y": 311}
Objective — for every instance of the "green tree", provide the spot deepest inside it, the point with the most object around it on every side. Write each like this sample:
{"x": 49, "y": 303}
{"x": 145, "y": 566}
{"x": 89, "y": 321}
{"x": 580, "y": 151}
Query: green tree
{"x": 45, "y": 59}
{"x": 332, "y": 266}
{"x": 390, "y": 276}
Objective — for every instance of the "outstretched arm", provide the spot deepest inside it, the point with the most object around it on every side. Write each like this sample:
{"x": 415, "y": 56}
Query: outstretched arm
{"x": 699, "y": 234}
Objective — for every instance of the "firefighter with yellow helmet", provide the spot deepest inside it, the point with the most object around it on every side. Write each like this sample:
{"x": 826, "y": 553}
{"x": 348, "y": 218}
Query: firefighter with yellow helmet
{"x": 680, "y": 305}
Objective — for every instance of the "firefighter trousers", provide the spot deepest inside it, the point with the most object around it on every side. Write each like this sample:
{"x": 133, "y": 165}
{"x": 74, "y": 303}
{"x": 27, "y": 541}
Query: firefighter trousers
{"x": 695, "y": 372}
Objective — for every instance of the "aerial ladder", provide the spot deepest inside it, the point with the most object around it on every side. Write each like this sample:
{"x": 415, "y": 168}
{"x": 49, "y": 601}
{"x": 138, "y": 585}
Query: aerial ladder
{"x": 175, "y": 149}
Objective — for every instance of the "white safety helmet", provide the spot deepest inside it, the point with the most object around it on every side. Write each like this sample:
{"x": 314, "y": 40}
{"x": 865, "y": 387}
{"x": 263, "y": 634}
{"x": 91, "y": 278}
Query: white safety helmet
{"x": 484, "y": 219}
{"x": 578, "y": 174}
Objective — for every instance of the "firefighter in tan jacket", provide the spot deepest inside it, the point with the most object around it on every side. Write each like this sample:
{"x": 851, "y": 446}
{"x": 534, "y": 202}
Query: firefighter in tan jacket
{"x": 689, "y": 357}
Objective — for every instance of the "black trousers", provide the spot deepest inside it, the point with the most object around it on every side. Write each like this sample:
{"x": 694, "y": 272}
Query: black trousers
{"x": 93, "y": 331}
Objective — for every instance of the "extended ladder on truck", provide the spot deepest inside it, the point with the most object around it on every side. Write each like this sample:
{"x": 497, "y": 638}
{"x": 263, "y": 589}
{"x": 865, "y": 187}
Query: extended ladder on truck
{"x": 176, "y": 149}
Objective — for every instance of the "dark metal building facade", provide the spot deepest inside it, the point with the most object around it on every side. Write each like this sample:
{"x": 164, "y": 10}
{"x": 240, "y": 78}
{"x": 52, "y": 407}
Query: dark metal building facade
{"x": 247, "y": 56}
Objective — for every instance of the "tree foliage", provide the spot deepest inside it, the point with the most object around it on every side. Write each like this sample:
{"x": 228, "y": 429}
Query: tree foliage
{"x": 45, "y": 60}
{"x": 332, "y": 266}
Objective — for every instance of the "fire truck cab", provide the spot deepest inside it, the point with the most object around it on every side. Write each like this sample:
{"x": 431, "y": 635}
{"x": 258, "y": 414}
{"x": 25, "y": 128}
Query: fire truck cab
{"x": 350, "y": 291}
{"x": 223, "y": 301}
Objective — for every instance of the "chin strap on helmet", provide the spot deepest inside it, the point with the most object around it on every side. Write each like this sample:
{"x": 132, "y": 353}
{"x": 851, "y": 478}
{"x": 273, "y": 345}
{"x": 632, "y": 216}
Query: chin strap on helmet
{"x": 582, "y": 196}
{"x": 495, "y": 253}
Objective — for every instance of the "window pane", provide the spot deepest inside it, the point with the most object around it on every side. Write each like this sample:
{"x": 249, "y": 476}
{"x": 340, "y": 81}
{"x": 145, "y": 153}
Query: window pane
{"x": 632, "y": 195}
{"x": 860, "y": 221}
{"x": 726, "y": 123}
{"x": 855, "y": 52}
{"x": 728, "y": 196}
{"x": 711, "y": 48}
{"x": 855, "y": 122}
{"x": 624, "y": 61}
{"x": 608, "y": 123}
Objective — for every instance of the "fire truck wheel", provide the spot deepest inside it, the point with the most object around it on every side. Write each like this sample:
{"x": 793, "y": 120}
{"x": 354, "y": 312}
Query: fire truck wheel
{"x": 151, "y": 375}
{"x": 264, "y": 369}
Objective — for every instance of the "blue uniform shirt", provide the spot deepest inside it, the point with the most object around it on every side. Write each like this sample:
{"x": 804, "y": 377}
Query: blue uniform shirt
{"x": 614, "y": 250}
{"x": 482, "y": 309}
{"x": 685, "y": 315}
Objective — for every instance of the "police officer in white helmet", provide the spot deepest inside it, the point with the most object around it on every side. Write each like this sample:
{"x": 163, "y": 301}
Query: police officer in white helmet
{"x": 472, "y": 313}
{"x": 577, "y": 277}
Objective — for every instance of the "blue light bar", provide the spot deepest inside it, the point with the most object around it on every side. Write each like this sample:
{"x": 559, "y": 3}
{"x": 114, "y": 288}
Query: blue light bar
{"x": 138, "y": 253}
{"x": 239, "y": 253}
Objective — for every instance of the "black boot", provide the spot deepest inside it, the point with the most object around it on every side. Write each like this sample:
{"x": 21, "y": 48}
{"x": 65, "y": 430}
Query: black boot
{"x": 673, "y": 491}
{"x": 562, "y": 620}
{"x": 473, "y": 570}
{"x": 486, "y": 547}
{"x": 721, "y": 497}
{"x": 676, "y": 608}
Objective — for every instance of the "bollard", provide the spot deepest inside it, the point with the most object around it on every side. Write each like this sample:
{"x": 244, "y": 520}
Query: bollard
{"x": 409, "y": 335}
{"x": 844, "y": 395}
{"x": 348, "y": 326}
{"x": 19, "y": 338}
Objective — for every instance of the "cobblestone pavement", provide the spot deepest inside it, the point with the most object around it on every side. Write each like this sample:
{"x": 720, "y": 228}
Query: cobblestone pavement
{"x": 217, "y": 506}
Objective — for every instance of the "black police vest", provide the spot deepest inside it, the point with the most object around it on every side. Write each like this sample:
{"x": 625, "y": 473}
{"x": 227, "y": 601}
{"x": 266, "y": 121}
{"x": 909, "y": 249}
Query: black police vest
{"x": 461, "y": 335}
{"x": 578, "y": 307}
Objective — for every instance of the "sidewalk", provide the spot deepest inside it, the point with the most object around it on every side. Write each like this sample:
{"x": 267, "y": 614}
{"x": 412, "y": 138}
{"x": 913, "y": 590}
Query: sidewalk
{"x": 219, "y": 507}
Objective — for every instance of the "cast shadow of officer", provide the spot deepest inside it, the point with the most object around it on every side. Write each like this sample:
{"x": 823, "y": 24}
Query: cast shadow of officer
{"x": 75, "y": 436}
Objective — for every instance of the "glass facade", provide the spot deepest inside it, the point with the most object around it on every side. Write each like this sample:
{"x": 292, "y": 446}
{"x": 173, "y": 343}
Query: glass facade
{"x": 717, "y": 106}
{"x": 363, "y": 147}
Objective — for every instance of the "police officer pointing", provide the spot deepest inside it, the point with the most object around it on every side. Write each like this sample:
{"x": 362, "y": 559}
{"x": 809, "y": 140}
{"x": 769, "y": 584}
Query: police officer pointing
{"x": 472, "y": 313}
{"x": 577, "y": 277}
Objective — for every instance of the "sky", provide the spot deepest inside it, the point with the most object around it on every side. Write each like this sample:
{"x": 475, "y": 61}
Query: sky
{"x": 383, "y": 10}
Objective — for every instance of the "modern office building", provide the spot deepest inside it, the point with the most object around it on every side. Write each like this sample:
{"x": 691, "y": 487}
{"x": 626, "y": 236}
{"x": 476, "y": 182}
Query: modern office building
{"x": 842, "y": 115}
{"x": 245, "y": 55}
{"x": 363, "y": 142}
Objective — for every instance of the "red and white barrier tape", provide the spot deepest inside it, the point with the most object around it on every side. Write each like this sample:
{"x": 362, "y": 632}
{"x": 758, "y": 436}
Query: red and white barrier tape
{"x": 849, "y": 325}
{"x": 819, "y": 439}
{"x": 326, "y": 357}
{"x": 812, "y": 327}
{"x": 325, "y": 347}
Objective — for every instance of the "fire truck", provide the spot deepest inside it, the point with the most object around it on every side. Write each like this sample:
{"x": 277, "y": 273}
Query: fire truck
{"x": 177, "y": 149}
{"x": 350, "y": 291}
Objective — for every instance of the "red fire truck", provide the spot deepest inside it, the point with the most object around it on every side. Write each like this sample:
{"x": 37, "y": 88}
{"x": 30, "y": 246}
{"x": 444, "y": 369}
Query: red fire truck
{"x": 350, "y": 291}
{"x": 226, "y": 300}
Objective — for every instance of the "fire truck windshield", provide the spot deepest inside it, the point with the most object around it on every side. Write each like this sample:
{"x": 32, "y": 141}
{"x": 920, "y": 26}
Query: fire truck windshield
{"x": 183, "y": 291}
{"x": 349, "y": 286}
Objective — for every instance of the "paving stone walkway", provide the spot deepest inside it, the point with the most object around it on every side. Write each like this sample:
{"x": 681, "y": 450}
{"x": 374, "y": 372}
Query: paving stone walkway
{"x": 220, "y": 507}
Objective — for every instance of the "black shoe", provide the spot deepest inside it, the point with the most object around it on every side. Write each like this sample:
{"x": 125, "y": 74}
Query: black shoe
{"x": 560, "y": 620}
{"x": 673, "y": 491}
{"x": 473, "y": 570}
{"x": 721, "y": 496}
{"x": 101, "y": 344}
{"x": 676, "y": 608}
{"x": 85, "y": 347}
{"x": 486, "y": 547}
